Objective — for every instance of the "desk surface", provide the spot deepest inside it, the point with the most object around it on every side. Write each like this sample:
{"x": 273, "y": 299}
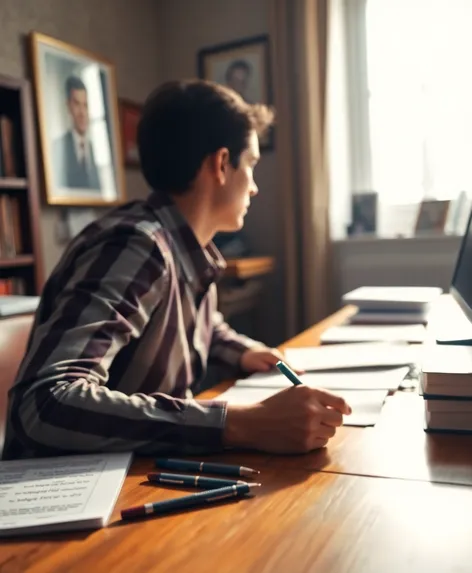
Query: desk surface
{"x": 302, "y": 519}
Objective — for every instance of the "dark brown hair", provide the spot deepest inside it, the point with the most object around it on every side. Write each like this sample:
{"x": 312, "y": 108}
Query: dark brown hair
{"x": 185, "y": 121}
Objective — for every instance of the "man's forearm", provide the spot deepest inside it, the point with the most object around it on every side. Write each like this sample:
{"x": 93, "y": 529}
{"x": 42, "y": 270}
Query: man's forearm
{"x": 82, "y": 416}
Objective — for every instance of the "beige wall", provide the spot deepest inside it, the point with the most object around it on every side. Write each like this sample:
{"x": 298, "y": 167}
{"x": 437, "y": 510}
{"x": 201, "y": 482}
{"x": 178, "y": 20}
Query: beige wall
{"x": 186, "y": 26}
{"x": 119, "y": 30}
{"x": 151, "y": 41}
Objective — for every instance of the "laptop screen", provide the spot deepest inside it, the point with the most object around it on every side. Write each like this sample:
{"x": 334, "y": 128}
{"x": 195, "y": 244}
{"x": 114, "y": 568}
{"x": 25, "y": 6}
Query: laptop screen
{"x": 461, "y": 287}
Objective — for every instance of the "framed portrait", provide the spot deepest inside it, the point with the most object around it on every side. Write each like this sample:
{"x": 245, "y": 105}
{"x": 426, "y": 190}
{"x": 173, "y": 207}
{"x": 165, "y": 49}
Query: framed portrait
{"x": 432, "y": 216}
{"x": 77, "y": 109}
{"x": 130, "y": 113}
{"x": 243, "y": 66}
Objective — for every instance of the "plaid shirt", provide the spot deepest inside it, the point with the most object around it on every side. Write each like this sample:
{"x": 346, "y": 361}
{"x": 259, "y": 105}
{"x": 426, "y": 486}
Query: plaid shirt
{"x": 126, "y": 326}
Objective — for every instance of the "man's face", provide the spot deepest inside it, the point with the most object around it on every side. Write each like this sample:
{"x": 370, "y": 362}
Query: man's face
{"x": 235, "y": 196}
{"x": 238, "y": 80}
{"x": 78, "y": 109}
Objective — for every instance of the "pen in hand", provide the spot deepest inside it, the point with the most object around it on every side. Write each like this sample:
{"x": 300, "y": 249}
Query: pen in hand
{"x": 288, "y": 373}
{"x": 187, "y": 501}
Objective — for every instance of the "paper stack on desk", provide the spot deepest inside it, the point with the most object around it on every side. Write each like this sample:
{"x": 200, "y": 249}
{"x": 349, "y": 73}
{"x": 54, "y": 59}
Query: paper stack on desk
{"x": 360, "y": 355}
{"x": 415, "y": 333}
{"x": 391, "y": 305}
{"x": 60, "y": 493}
{"x": 364, "y": 390}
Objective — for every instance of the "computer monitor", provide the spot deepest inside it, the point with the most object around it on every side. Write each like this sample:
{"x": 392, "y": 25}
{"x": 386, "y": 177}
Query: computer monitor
{"x": 457, "y": 327}
{"x": 461, "y": 286}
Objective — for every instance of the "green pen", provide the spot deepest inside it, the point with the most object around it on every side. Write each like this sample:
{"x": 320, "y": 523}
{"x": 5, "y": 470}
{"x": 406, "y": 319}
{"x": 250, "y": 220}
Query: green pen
{"x": 289, "y": 373}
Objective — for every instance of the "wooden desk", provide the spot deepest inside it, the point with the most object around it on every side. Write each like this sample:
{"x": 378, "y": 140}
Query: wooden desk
{"x": 301, "y": 520}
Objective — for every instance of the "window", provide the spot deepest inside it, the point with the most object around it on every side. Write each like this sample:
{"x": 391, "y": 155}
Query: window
{"x": 409, "y": 98}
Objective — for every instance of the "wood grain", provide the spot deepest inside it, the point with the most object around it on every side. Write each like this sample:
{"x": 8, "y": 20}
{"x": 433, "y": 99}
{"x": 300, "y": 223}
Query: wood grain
{"x": 300, "y": 521}
{"x": 249, "y": 267}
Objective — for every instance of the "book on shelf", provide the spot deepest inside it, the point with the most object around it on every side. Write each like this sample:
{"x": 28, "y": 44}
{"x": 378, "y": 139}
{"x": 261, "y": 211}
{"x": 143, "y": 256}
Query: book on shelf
{"x": 61, "y": 493}
{"x": 12, "y": 285}
{"x": 11, "y": 242}
{"x": 7, "y": 144}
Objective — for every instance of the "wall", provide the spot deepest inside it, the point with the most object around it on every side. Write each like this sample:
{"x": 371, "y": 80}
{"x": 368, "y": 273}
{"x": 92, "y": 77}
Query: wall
{"x": 419, "y": 261}
{"x": 119, "y": 30}
{"x": 184, "y": 27}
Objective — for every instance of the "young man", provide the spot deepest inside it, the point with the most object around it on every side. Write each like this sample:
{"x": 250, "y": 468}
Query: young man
{"x": 128, "y": 322}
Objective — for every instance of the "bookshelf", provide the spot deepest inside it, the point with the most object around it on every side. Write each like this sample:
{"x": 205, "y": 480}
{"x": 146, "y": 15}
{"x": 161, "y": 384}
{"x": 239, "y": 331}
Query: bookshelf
{"x": 21, "y": 265}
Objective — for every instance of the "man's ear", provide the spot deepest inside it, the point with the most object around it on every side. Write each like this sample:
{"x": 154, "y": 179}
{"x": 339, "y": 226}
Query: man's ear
{"x": 221, "y": 164}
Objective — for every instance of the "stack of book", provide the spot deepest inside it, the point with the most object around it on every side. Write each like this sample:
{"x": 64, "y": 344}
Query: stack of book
{"x": 392, "y": 305}
{"x": 446, "y": 383}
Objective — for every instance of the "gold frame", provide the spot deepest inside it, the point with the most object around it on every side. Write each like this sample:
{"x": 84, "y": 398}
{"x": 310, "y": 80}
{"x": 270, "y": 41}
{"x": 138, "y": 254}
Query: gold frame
{"x": 36, "y": 39}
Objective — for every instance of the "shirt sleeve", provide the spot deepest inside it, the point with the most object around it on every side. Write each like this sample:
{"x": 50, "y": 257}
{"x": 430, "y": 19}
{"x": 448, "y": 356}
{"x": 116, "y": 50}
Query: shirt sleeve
{"x": 227, "y": 346}
{"x": 61, "y": 402}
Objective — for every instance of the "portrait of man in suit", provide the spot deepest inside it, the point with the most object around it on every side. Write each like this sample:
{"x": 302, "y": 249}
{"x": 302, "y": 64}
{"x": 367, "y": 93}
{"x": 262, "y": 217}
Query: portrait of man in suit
{"x": 73, "y": 155}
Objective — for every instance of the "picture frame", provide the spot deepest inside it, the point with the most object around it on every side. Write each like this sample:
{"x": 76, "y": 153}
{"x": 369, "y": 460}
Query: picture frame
{"x": 364, "y": 214}
{"x": 130, "y": 114}
{"x": 432, "y": 217}
{"x": 244, "y": 66}
{"x": 77, "y": 109}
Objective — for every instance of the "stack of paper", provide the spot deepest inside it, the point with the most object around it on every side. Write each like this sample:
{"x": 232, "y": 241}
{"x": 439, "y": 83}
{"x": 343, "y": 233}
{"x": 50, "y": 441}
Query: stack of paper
{"x": 362, "y": 373}
{"x": 61, "y": 493}
{"x": 356, "y": 355}
{"x": 365, "y": 404}
{"x": 354, "y": 333}
{"x": 393, "y": 305}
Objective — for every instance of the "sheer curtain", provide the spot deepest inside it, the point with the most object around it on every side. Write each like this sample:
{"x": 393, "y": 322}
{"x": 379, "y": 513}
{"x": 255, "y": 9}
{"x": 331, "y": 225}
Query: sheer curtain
{"x": 420, "y": 98}
{"x": 409, "y": 102}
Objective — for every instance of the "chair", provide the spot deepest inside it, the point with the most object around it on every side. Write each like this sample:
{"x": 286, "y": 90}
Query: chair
{"x": 14, "y": 333}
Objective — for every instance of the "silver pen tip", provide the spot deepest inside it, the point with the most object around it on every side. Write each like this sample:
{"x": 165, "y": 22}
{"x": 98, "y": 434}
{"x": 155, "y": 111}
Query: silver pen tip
{"x": 250, "y": 485}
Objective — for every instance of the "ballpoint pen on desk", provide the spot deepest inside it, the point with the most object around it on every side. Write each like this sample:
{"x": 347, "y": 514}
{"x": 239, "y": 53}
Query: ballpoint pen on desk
{"x": 193, "y": 500}
{"x": 191, "y": 481}
{"x": 289, "y": 373}
{"x": 210, "y": 467}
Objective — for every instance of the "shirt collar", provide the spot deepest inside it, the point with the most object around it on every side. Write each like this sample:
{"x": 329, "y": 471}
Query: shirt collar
{"x": 201, "y": 265}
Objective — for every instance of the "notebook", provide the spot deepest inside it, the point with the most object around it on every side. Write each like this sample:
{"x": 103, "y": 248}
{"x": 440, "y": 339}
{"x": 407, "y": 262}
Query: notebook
{"x": 61, "y": 493}
{"x": 366, "y": 404}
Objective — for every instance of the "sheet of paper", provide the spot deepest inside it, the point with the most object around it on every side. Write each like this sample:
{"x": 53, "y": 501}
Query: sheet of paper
{"x": 355, "y": 355}
{"x": 366, "y": 404}
{"x": 377, "y": 379}
{"x": 357, "y": 333}
{"x": 37, "y": 494}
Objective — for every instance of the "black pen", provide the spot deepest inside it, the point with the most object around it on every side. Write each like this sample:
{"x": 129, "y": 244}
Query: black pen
{"x": 191, "y": 481}
{"x": 210, "y": 467}
{"x": 194, "y": 500}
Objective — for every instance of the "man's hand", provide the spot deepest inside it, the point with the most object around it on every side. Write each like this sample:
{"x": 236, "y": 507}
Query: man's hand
{"x": 262, "y": 359}
{"x": 295, "y": 420}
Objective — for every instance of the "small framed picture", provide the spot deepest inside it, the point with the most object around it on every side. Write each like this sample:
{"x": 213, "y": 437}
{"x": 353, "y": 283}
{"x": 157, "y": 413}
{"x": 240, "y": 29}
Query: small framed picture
{"x": 364, "y": 214}
{"x": 130, "y": 114}
{"x": 77, "y": 108}
{"x": 243, "y": 66}
{"x": 432, "y": 216}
